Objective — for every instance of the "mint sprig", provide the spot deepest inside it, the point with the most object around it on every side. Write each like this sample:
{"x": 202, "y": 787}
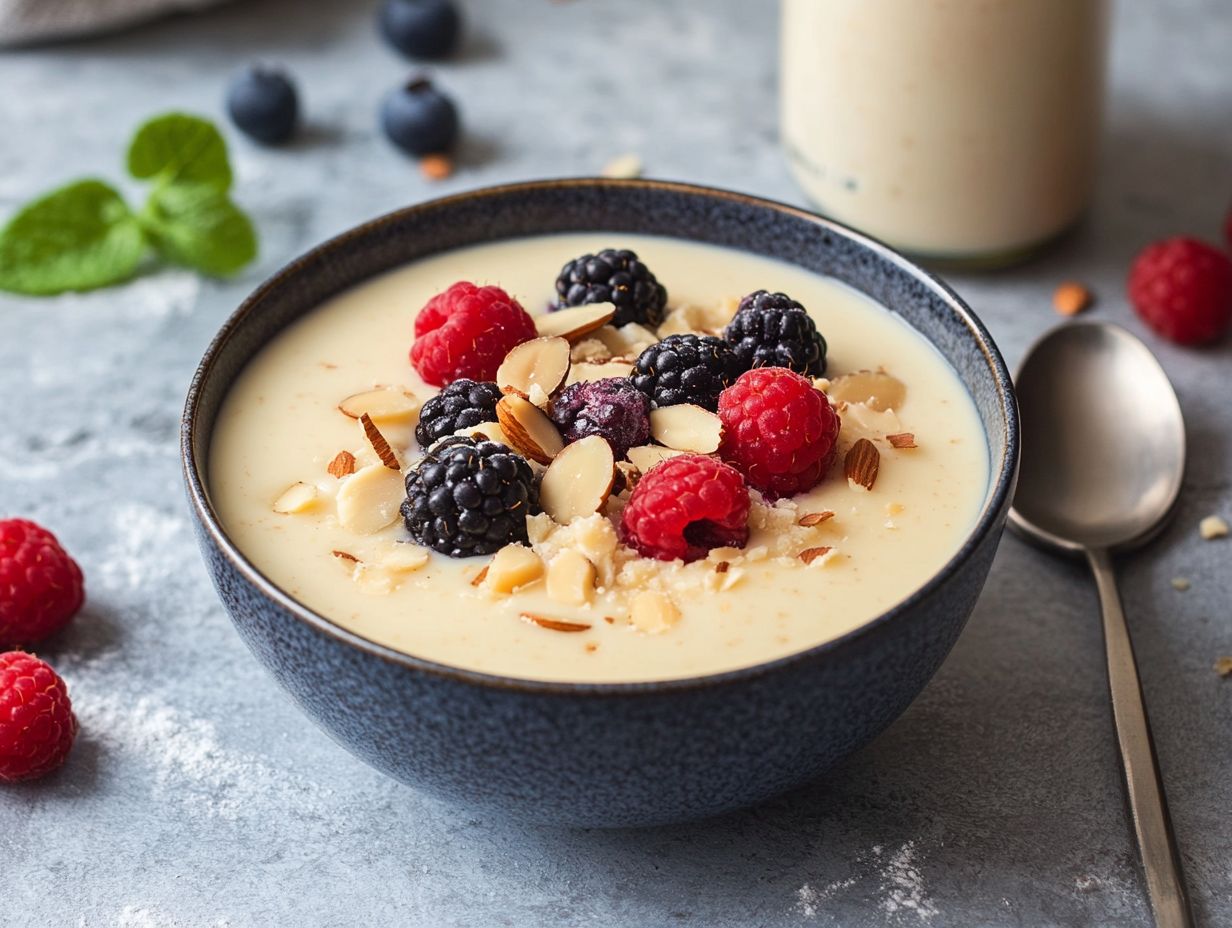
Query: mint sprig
{"x": 83, "y": 236}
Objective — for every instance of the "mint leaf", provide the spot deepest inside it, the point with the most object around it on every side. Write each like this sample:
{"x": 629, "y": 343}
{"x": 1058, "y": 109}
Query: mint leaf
{"x": 198, "y": 226}
{"x": 178, "y": 148}
{"x": 79, "y": 237}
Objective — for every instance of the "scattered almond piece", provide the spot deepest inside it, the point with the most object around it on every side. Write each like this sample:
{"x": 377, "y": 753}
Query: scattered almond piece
{"x": 541, "y": 362}
{"x": 571, "y": 578}
{"x": 862, "y": 463}
{"x": 1212, "y": 527}
{"x": 592, "y": 647}
{"x": 368, "y": 500}
{"x": 436, "y": 167}
{"x": 381, "y": 404}
{"x": 583, "y": 371}
{"x": 298, "y": 497}
{"x": 556, "y": 625}
{"x": 1223, "y": 666}
{"x": 480, "y": 577}
{"x": 810, "y": 519}
{"x": 808, "y": 555}
{"x": 575, "y": 322}
{"x": 1181, "y": 584}
{"x": 513, "y": 567}
{"x": 528, "y": 428}
{"x": 722, "y": 567}
{"x": 628, "y": 341}
{"x": 343, "y": 465}
{"x": 379, "y": 444}
{"x": 644, "y": 457}
{"x": 875, "y": 389}
{"x": 489, "y": 431}
{"x": 579, "y": 480}
{"x": 345, "y": 556}
{"x": 686, "y": 428}
{"x": 625, "y": 167}
{"x": 902, "y": 440}
{"x": 652, "y": 613}
{"x": 405, "y": 558}
{"x": 1070, "y": 298}
{"x": 627, "y": 476}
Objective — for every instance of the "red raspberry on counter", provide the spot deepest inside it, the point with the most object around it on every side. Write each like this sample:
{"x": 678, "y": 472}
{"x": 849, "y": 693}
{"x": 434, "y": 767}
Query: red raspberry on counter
{"x": 1182, "y": 288}
{"x": 40, "y": 585}
{"x": 466, "y": 332}
{"x": 684, "y": 506}
{"x": 778, "y": 430}
{"x": 37, "y": 725}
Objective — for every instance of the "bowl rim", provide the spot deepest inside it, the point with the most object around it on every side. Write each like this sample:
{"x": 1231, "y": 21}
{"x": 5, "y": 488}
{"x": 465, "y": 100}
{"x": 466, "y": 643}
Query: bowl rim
{"x": 1003, "y": 474}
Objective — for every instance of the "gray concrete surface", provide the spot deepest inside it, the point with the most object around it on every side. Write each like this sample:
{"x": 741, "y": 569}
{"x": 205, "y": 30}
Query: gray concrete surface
{"x": 199, "y": 796}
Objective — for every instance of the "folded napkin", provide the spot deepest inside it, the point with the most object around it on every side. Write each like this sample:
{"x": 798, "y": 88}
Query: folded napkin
{"x": 44, "y": 20}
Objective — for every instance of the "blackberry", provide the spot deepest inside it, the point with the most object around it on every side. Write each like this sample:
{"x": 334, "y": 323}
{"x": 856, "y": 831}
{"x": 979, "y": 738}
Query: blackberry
{"x": 462, "y": 404}
{"x": 686, "y": 369}
{"x": 613, "y": 276}
{"x": 468, "y": 497}
{"x": 613, "y": 408}
{"x": 773, "y": 330}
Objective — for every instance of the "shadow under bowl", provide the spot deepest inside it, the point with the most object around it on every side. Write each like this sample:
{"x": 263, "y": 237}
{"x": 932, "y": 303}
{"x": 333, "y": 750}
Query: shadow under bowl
{"x": 605, "y": 754}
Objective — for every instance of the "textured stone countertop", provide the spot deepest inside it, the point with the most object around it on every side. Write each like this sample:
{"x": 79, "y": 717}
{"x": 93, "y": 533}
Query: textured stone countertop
{"x": 197, "y": 795}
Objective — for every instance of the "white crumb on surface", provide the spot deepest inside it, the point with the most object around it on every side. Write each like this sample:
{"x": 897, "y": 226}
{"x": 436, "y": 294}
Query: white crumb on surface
{"x": 904, "y": 885}
{"x": 625, "y": 166}
{"x": 1181, "y": 584}
{"x": 901, "y": 894}
{"x": 1212, "y": 527}
{"x": 143, "y": 547}
{"x": 139, "y": 917}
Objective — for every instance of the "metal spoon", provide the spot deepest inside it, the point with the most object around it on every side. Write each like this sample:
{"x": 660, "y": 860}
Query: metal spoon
{"x": 1103, "y": 456}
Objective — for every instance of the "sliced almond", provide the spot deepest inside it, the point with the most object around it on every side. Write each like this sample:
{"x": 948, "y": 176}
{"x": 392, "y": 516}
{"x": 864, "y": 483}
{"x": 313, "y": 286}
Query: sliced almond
{"x": 627, "y": 476}
{"x": 368, "y": 500}
{"x": 298, "y": 497}
{"x": 686, "y": 428}
{"x": 378, "y": 443}
{"x": 480, "y": 577}
{"x": 513, "y": 567}
{"x": 405, "y": 558}
{"x": 808, "y": 555}
{"x": 528, "y": 428}
{"x": 540, "y": 362}
{"x": 556, "y": 625}
{"x": 644, "y": 457}
{"x": 571, "y": 578}
{"x": 381, "y": 404}
{"x": 875, "y": 389}
{"x": 485, "y": 431}
{"x": 862, "y": 463}
{"x": 584, "y": 371}
{"x": 902, "y": 440}
{"x": 579, "y": 480}
{"x": 343, "y": 465}
{"x": 575, "y": 322}
{"x": 628, "y": 341}
{"x": 1070, "y": 298}
{"x": 653, "y": 613}
{"x": 810, "y": 519}
{"x": 692, "y": 317}
{"x": 345, "y": 556}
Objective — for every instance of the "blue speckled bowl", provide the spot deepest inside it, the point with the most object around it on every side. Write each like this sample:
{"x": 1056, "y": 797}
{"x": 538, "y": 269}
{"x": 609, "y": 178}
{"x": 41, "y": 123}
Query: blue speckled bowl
{"x": 605, "y": 754}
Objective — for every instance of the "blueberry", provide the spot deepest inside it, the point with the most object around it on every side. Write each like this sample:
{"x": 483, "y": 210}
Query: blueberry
{"x": 420, "y": 28}
{"x": 263, "y": 104}
{"x": 419, "y": 119}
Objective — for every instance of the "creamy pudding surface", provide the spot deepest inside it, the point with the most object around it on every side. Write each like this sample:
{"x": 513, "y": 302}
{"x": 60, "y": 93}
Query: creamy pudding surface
{"x": 816, "y": 565}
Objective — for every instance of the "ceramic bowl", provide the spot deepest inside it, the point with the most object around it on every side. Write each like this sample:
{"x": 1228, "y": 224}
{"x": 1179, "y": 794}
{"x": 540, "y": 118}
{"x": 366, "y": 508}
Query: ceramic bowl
{"x": 605, "y": 754}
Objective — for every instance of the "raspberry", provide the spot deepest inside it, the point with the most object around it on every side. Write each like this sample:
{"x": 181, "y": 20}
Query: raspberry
{"x": 1182, "y": 288}
{"x": 40, "y": 585}
{"x": 469, "y": 497}
{"x": 685, "y": 506}
{"x": 773, "y": 330}
{"x": 613, "y": 276}
{"x": 37, "y": 725}
{"x": 613, "y": 408}
{"x": 461, "y": 405}
{"x": 686, "y": 369}
{"x": 466, "y": 332}
{"x": 779, "y": 431}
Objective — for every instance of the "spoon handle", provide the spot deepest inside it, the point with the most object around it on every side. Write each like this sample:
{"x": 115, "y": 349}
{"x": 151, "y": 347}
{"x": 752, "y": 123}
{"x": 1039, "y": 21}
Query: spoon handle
{"x": 1147, "y": 803}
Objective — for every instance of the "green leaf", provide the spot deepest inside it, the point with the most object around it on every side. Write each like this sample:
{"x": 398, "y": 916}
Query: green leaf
{"x": 178, "y": 148}
{"x": 198, "y": 226}
{"x": 79, "y": 237}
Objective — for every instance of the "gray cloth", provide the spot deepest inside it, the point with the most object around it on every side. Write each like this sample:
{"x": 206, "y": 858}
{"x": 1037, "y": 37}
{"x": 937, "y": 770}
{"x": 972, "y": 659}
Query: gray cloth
{"x": 23, "y": 21}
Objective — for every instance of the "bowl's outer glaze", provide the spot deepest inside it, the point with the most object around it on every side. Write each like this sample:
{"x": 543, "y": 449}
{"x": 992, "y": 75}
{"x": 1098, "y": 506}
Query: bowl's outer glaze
{"x": 606, "y": 754}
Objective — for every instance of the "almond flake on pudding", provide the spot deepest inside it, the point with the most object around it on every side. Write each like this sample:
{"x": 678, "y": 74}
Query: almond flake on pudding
{"x": 378, "y": 443}
{"x": 686, "y": 428}
{"x": 628, "y": 341}
{"x": 653, "y": 613}
{"x": 585, "y": 371}
{"x": 809, "y": 519}
{"x": 575, "y": 322}
{"x": 528, "y": 428}
{"x": 381, "y": 404}
{"x": 343, "y": 465}
{"x": 571, "y": 578}
{"x": 902, "y": 440}
{"x": 405, "y": 558}
{"x": 579, "y": 480}
{"x": 480, "y": 576}
{"x": 368, "y": 500}
{"x": 541, "y": 362}
{"x": 345, "y": 556}
{"x": 696, "y": 319}
{"x": 555, "y": 625}
{"x": 644, "y": 457}
{"x": 861, "y": 464}
{"x": 298, "y": 497}
{"x": 875, "y": 389}
{"x": 513, "y": 567}
{"x": 485, "y": 431}
{"x": 808, "y": 555}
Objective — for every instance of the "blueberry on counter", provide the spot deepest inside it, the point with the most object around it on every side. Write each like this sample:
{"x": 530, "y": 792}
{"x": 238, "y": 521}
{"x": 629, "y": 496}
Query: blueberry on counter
{"x": 420, "y": 28}
{"x": 419, "y": 119}
{"x": 263, "y": 104}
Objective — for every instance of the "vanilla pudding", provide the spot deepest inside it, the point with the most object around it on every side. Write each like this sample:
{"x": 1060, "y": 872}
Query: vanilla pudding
{"x": 816, "y": 565}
